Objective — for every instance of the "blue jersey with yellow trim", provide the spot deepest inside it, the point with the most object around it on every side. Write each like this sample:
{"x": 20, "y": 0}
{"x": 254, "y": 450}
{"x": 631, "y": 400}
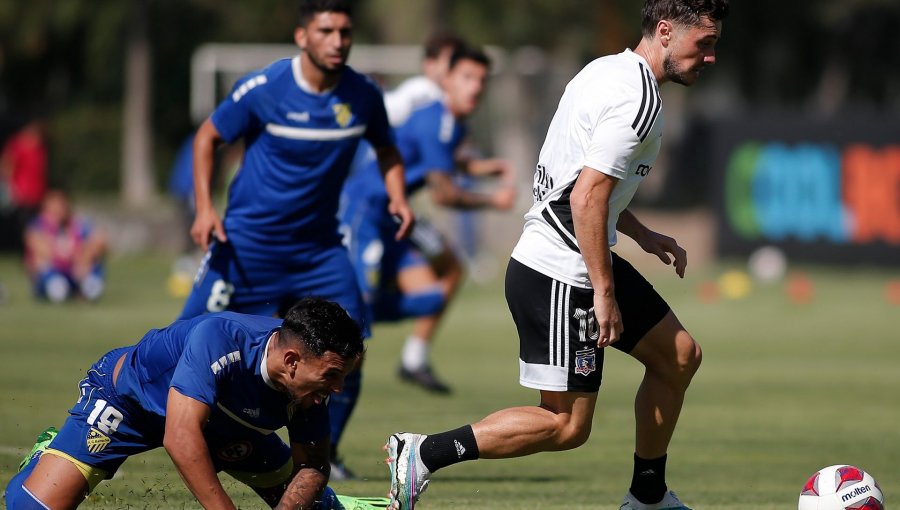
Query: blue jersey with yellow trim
{"x": 218, "y": 360}
{"x": 298, "y": 149}
{"x": 427, "y": 141}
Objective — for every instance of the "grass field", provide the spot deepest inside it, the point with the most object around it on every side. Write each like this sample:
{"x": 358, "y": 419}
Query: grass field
{"x": 784, "y": 390}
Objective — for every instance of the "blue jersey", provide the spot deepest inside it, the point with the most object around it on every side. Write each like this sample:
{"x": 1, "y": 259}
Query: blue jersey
{"x": 299, "y": 146}
{"x": 427, "y": 142}
{"x": 216, "y": 359}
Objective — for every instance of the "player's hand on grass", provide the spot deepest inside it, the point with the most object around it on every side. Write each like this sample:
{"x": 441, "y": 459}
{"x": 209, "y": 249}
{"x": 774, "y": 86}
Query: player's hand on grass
{"x": 609, "y": 320}
{"x": 207, "y": 224}
{"x": 404, "y": 217}
{"x": 663, "y": 245}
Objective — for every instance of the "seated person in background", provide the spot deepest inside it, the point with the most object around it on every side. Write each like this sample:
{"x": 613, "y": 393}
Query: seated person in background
{"x": 63, "y": 252}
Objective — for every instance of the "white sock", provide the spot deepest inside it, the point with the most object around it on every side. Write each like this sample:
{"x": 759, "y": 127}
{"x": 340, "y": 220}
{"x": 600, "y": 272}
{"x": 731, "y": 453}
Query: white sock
{"x": 415, "y": 353}
{"x": 57, "y": 289}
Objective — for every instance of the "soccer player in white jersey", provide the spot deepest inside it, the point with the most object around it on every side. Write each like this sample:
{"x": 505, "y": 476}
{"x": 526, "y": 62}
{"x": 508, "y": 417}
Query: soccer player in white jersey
{"x": 569, "y": 295}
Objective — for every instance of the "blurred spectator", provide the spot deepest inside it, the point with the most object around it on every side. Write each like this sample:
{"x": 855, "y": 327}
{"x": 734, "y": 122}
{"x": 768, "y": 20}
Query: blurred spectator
{"x": 23, "y": 174}
{"x": 63, "y": 252}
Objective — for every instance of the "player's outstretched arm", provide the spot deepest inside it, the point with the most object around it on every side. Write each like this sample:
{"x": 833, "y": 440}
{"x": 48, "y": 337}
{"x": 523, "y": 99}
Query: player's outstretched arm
{"x": 391, "y": 164}
{"x": 498, "y": 167}
{"x": 311, "y": 463}
{"x": 653, "y": 242}
{"x": 447, "y": 193}
{"x": 184, "y": 442}
{"x": 206, "y": 220}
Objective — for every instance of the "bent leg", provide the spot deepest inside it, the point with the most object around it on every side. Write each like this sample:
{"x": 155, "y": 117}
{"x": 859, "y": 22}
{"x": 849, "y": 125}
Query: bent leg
{"x": 671, "y": 357}
{"x": 561, "y": 422}
{"x": 446, "y": 271}
{"x": 55, "y": 482}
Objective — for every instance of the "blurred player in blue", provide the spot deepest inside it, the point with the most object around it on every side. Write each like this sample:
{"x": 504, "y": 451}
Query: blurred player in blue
{"x": 212, "y": 391}
{"x": 417, "y": 277}
{"x": 301, "y": 119}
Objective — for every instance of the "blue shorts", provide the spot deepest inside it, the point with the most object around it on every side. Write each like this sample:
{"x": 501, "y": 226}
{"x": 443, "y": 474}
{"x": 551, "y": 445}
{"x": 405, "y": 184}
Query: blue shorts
{"x": 378, "y": 258}
{"x": 104, "y": 429}
{"x": 234, "y": 278}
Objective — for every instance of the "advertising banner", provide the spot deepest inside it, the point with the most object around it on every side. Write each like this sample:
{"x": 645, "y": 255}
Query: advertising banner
{"x": 824, "y": 191}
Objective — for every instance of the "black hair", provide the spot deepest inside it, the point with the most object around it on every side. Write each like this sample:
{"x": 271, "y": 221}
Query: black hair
{"x": 322, "y": 326}
{"x": 466, "y": 52}
{"x": 683, "y": 12}
{"x": 309, "y": 9}
{"x": 440, "y": 41}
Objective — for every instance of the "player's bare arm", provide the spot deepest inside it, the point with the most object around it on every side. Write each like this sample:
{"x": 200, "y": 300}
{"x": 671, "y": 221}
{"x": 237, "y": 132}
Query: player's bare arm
{"x": 448, "y": 194}
{"x": 653, "y": 242}
{"x": 590, "y": 214}
{"x": 498, "y": 167}
{"x": 391, "y": 164}
{"x": 311, "y": 466}
{"x": 184, "y": 442}
{"x": 207, "y": 221}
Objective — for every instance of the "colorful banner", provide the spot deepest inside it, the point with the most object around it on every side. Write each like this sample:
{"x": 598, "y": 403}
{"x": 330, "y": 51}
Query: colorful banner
{"x": 821, "y": 199}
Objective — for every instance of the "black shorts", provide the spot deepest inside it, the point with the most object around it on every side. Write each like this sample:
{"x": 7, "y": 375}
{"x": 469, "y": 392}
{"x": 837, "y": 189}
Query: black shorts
{"x": 556, "y": 321}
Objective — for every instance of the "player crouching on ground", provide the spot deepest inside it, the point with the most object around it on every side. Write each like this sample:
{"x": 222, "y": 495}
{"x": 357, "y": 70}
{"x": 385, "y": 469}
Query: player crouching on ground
{"x": 212, "y": 391}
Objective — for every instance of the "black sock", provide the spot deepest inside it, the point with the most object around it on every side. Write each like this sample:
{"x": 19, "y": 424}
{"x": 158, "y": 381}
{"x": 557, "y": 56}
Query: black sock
{"x": 648, "y": 483}
{"x": 448, "y": 448}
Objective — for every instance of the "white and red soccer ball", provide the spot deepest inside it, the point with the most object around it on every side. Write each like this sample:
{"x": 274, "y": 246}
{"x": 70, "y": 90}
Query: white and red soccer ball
{"x": 841, "y": 487}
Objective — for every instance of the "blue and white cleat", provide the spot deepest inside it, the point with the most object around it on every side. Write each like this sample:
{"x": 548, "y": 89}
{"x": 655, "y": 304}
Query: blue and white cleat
{"x": 409, "y": 476}
{"x": 669, "y": 502}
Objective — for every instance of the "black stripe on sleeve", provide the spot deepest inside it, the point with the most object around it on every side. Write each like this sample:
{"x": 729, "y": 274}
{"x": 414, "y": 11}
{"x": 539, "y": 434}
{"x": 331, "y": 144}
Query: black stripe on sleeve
{"x": 640, "y": 112}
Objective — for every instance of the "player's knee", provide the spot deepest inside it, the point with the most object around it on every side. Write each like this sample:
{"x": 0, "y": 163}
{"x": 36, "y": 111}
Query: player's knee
{"x": 569, "y": 432}
{"x": 688, "y": 357}
{"x": 573, "y": 434}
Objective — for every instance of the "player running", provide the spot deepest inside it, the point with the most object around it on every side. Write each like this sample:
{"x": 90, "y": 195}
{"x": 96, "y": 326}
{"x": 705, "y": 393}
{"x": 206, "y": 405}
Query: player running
{"x": 569, "y": 295}
{"x": 418, "y": 277}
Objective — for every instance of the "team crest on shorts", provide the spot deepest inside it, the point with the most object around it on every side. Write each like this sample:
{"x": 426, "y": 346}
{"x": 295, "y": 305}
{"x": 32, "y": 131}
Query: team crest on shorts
{"x": 96, "y": 441}
{"x": 238, "y": 450}
{"x": 585, "y": 361}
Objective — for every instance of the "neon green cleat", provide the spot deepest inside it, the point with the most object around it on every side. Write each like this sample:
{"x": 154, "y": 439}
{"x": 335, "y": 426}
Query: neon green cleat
{"x": 43, "y": 441}
{"x": 351, "y": 503}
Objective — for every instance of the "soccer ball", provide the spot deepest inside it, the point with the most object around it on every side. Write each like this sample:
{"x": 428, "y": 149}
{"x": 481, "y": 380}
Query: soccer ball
{"x": 841, "y": 487}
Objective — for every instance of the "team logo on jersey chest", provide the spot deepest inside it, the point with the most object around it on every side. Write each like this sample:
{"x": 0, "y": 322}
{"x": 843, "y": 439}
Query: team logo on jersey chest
{"x": 96, "y": 441}
{"x": 342, "y": 114}
{"x": 585, "y": 361}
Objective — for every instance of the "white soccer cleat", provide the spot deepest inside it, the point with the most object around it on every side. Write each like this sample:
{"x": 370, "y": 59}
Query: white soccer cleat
{"x": 409, "y": 476}
{"x": 669, "y": 502}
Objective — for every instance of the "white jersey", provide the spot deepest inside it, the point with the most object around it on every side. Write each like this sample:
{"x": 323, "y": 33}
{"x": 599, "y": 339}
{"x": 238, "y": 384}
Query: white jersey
{"x": 409, "y": 96}
{"x": 609, "y": 120}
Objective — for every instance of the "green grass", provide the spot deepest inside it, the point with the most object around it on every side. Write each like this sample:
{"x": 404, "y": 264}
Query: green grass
{"x": 784, "y": 390}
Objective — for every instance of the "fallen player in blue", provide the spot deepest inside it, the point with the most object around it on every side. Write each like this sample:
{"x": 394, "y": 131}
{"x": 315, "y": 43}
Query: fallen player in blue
{"x": 212, "y": 391}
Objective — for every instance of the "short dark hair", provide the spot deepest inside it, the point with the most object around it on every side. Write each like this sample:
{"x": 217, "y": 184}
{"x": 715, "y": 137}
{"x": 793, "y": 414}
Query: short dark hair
{"x": 322, "y": 326}
{"x": 684, "y": 12}
{"x": 466, "y": 52}
{"x": 440, "y": 41}
{"x": 309, "y": 9}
